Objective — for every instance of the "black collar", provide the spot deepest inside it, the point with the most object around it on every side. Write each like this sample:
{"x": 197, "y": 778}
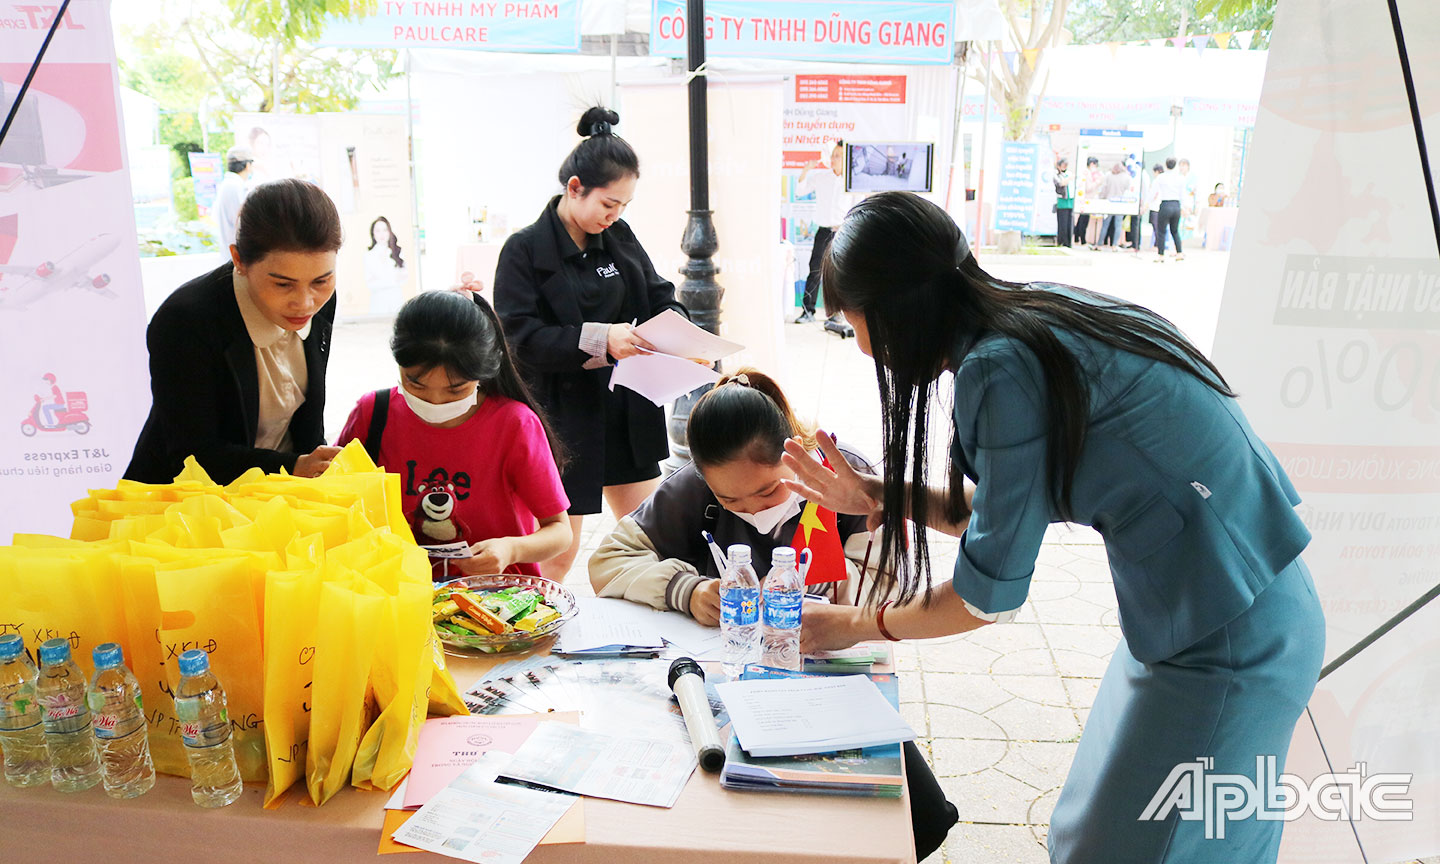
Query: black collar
{"x": 562, "y": 247}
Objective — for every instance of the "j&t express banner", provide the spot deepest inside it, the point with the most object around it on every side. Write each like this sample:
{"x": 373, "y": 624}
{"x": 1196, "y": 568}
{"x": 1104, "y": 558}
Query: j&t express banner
{"x": 551, "y": 27}
{"x": 854, "y": 32}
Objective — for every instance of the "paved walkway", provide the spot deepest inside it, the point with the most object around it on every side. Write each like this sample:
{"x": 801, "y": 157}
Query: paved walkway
{"x": 998, "y": 711}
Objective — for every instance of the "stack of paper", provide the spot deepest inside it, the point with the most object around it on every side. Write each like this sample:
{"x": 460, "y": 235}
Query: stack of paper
{"x": 670, "y": 372}
{"x": 868, "y": 772}
{"x": 649, "y": 771}
{"x": 609, "y": 628}
{"x": 798, "y": 716}
{"x": 846, "y": 661}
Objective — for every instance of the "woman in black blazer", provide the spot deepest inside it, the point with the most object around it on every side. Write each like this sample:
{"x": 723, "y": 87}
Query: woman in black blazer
{"x": 237, "y": 356}
{"x": 569, "y": 289}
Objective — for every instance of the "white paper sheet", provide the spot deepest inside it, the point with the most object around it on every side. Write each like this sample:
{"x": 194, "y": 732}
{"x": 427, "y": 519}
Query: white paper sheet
{"x": 797, "y": 716}
{"x": 606, "y": 621}
{"x": 661, "y": 378}
{"x": 672, "y": 334}
{"x": 650, "y": 771}
{"x": 477, "y": 819}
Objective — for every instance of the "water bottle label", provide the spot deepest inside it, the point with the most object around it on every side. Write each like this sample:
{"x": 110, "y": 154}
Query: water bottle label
{"x": 106, "y": 724}
{"x": 63, "y": 712}
{"x": 738, "y": 611}
{"x": 782, "y": 613}
{"x": 196, "y": 733}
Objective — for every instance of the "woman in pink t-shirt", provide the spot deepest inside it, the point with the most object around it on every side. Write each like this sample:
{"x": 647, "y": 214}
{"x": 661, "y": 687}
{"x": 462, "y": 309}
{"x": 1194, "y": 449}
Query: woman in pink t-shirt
{"x": 476, "y": 461}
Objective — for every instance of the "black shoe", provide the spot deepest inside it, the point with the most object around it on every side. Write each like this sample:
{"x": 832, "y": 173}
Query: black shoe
{"x": 805, "y": 318}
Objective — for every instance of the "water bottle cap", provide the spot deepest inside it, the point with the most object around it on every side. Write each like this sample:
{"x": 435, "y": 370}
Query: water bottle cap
{"x": 108, "y": 656}
{"x": 11, "y": 646}
{"x": 738, "y": 554}
{"x": 782, "y": 555}
{"x": 53, "y": 652}
{"x": 194, "y": 662}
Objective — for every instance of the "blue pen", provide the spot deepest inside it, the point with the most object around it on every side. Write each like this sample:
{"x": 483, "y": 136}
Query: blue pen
{"x": 715, "y": 551}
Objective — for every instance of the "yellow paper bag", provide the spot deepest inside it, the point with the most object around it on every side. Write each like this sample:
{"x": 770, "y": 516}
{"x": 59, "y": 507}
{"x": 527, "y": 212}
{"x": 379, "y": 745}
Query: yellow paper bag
{"x": 350, "y": 608}
{"x": 53, "y": 588}
{"x": 292, "y": 600}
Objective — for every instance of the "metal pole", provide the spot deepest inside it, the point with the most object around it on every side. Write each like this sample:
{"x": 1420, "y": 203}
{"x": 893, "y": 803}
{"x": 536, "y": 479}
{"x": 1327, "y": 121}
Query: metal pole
{"x": 956, "y": 138}
{"x": 414, "y": 183}
{"x": 614, "y": 51}
{"x": 699, "y": 292}
{"x": 980, "y": 224}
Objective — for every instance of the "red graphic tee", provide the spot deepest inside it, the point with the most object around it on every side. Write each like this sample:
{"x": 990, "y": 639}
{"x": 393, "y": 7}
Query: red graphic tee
{"x": 491, "y": 476}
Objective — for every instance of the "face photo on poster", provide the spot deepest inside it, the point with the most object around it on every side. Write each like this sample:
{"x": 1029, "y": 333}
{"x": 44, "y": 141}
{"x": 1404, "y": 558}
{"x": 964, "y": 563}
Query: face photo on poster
{"x": 385, "y": 268}
{"x": 888, "y": 166}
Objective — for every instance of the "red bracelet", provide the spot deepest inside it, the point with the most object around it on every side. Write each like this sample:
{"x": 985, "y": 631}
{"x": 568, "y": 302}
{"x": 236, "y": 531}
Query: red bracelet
{"x": 880, "y": 620}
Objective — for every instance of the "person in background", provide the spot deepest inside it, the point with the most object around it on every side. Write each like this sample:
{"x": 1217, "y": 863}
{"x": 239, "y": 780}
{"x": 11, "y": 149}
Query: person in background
{"x": 1064, "y": 204}
{"x": 1170, "y": 193}
{"x": 1217, "y": 196}
{"x": 827, "y": 181}
{"x": 734, "y": 488}
{"x": 476, "y": 459}
{"x": 230, "y": 194}
{"x": 1093, "y": 181}
{"x": 1117, "y": 185}
{"x": 569, "y": 288}
{"x": 1151, "y": 202}
{"x": 238, "y": 356}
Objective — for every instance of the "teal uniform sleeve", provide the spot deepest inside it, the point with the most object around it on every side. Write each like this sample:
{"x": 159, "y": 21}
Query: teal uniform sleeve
{"x": 1001, "y": 431}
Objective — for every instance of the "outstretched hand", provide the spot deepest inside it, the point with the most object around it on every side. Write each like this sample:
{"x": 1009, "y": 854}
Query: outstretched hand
{"x": 839, "y": 488}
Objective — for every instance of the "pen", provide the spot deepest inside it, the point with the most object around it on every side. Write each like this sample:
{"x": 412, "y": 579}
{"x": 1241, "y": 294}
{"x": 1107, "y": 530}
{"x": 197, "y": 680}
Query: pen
{"x": 715, "y": 552}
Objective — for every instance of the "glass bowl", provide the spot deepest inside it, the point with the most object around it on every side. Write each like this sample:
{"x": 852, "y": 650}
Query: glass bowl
{"x": 555, "y": 595}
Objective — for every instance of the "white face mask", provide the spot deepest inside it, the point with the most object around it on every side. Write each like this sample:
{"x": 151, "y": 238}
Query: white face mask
{"x": 767, "y": 520}
{"x": 442, "y": 413}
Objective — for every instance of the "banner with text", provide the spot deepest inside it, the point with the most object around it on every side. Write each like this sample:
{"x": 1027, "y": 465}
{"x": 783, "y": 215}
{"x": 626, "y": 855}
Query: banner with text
{"x": 551, "y": 27}
{"x": 1015, "y": 197}
{"x": 74, "y": 385}
{"x": 1330, "y": 330}
{"x": 854, "y": 31}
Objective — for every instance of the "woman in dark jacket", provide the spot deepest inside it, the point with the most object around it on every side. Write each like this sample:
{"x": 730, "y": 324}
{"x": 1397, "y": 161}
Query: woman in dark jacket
{"x": 237, "y": 356}
{"x": 569, "y": 289}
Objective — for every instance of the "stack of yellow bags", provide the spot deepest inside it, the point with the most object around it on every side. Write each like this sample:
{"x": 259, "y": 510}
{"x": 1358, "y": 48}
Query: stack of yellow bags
{"x": 310, "y": 596}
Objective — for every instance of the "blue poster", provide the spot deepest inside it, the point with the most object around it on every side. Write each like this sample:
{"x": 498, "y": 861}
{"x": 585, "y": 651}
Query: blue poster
{"x": 1015, "y": 199}
{"x": 552, "y": 27}
{"x": 853, "y": 31}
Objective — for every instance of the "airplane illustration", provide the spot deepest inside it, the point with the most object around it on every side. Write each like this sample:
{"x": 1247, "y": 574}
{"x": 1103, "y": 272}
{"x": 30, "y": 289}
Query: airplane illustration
{"x": 21, "y": 286}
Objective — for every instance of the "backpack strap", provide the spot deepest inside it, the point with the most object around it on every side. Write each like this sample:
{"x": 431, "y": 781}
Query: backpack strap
{"x": 378, "y": 415}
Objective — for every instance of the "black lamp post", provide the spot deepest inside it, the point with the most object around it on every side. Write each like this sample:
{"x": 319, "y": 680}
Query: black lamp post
{"x": 699, "y": 292}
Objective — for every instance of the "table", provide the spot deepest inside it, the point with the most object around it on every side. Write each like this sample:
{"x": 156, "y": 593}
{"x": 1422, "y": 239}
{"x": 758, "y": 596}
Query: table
{"x": 707, "y": 824}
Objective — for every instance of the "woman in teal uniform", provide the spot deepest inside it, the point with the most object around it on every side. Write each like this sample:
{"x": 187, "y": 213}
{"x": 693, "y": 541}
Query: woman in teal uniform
{"x": 1072, "y": 406}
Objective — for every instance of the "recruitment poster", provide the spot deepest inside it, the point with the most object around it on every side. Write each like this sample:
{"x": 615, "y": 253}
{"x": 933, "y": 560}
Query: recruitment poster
{"x": 73, "y": 377}
{"x": 1330, "y": 331}
{"x": 1112, "y": 185}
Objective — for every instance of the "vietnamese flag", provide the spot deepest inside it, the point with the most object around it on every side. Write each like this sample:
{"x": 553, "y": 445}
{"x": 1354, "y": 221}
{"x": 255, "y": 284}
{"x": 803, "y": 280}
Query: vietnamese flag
{"x": 819, "y": 533}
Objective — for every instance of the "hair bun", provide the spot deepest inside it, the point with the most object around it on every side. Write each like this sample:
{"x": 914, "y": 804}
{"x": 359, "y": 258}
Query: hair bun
{"x": 597, "y": 121}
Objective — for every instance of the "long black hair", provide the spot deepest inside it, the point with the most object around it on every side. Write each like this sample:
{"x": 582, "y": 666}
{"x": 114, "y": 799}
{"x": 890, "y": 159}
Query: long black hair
{"x": 746, "y": 416}
{"x": 286, "y": 216}
{"x": 392, "y": 242}
{"x": 464, "y": 337}
{"x": 903, "y": 264}
{"x": 603, "y": 157}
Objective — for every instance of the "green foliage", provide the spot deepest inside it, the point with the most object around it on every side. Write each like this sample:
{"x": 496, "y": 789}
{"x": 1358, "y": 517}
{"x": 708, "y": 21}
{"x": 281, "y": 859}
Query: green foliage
{"x": 291, "y": 21}
{"x": 1097, "y": 21}
{"x": 182, "y": 192}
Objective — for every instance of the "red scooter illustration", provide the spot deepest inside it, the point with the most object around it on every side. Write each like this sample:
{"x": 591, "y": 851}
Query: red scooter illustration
{"x": 71, "y": 417}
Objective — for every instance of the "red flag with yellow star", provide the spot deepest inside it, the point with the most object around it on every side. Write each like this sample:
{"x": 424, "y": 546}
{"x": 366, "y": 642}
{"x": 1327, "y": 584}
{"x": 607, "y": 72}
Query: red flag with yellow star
{"x": 819, "y": 533}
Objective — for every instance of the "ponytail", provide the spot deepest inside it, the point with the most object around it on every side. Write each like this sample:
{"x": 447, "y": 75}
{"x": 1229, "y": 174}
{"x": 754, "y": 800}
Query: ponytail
{"x": 746, "y": 416}
{"x": 443, "y": 328}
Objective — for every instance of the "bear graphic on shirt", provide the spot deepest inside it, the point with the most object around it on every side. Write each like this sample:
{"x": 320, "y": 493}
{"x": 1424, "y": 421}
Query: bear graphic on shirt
{"x": 434, "y": 520}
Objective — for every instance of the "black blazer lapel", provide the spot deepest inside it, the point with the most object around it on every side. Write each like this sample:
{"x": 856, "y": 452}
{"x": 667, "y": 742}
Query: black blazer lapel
{"x": 240, "y": 357}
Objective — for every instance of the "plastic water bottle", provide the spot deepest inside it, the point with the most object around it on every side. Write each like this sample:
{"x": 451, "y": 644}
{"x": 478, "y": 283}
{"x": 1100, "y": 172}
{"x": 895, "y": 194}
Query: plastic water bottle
{"x": 205, "y": 729}
{"x": 119, "y": 721}
{"x": 780, "y": 622}
{"x": 22, "y": 727}
{"x": 60, "y": 688}
{"x": 739, "y": 611}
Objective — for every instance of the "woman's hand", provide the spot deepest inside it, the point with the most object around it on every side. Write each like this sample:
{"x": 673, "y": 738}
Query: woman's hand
{"x": 824, "y": 627}
{"x": 314, "y": 463}
{"x": 839, "y": 488}
{"x": 705, "y": 603}
{"x": 489, "y": 557}
{"x": 621, "y": 342}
